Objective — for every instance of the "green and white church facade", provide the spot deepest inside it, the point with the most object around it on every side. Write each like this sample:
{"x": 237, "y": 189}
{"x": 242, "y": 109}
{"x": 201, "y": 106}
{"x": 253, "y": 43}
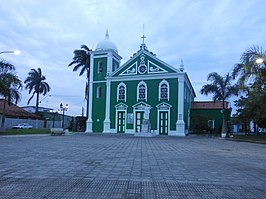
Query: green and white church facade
{"x": 144, "y": 87}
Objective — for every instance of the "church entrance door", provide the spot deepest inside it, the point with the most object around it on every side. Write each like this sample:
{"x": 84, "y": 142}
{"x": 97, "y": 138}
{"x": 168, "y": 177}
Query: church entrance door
{"x": 121, "y": 124}
{"x": 139, "y": 118}
{"x": 163, "y": 122}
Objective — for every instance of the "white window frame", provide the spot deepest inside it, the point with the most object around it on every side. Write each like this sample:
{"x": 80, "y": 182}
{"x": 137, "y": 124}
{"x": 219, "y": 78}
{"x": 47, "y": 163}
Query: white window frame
{"x": 168, "y": 90}
{"x": 146, "y": 89}
{"x": 117, "y": 97}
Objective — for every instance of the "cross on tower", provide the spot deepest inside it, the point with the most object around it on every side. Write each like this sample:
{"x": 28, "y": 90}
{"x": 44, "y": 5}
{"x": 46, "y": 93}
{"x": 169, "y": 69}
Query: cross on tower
{"x": 143, "y": 37}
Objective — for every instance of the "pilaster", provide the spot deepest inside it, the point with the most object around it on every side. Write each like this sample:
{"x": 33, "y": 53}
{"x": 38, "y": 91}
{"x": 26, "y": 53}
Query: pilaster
{"x": 180, "y": 124}
{"x": 106, "y": 127}
{"x": 89, "y": 121}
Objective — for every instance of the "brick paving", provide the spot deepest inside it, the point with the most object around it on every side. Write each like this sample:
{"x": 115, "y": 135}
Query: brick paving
{"x": 124, "y": 166}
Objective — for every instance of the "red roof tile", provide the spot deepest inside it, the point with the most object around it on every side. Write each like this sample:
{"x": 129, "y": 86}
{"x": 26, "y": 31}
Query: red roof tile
{"x": 209, "y": 105}
{"x": 13, "y": 110}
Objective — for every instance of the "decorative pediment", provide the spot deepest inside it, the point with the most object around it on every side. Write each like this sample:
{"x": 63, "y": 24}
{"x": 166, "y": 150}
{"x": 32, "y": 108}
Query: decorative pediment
{"x": 141, "y": 106}
{"x": 154, "y": 68}
{"x": 144, "y": 63}
{"x": 121, "y": 106}
{"x": 131, "y": 70}
{"x": 163, "y": 106}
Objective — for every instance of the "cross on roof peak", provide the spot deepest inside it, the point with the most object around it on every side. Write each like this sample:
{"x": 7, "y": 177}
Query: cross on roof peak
{"x": 143, "y": 36}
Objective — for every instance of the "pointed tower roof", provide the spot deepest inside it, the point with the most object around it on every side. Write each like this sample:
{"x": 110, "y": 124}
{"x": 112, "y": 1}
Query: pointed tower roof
{"x": 106, "y": 44}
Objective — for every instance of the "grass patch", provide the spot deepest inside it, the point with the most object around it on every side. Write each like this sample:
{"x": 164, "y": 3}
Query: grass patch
{"x": 25, "y": 131}
{"x": 250, "y": 138}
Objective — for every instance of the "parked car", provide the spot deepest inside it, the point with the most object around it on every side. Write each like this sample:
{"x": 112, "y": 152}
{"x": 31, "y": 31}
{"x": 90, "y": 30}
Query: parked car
{"x": 22, "y": 126}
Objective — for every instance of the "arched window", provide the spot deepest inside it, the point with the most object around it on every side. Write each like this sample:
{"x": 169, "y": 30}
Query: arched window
{"x": 99, "y": 92}
{"x": 100, "y": 67}
{"x": 164, "y": 90}
{"x": 142, "y": 91}
{"x": 121, "y": 92}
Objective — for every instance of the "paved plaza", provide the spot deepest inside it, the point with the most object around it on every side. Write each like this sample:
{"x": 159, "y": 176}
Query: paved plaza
{"x": 124, "y": 166}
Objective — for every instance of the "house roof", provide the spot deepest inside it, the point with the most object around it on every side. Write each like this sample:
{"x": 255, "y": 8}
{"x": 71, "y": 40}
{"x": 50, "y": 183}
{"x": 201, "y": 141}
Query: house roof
{"x": 13, "y": 110}
{"x": 209, "y": 105}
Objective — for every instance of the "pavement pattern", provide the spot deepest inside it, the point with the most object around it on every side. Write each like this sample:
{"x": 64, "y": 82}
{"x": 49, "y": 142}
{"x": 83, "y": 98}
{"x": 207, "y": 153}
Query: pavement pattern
{"x": 124, "y": 166}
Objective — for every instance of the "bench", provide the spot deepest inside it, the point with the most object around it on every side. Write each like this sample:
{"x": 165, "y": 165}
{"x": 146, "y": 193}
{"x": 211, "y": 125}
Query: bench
{"x": 57, "y": 131}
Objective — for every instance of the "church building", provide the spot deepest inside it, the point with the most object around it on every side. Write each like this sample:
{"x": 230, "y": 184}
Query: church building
{"x": 144, "y": 87}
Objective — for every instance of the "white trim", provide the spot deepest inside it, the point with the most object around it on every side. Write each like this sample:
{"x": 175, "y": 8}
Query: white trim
{"x": 107, "y": 121}
{"x": 120, "y": 107}
{"x": 116, "y": 119}
{"x": 156, "y": 70}
{"x": 168, "y": 120}
{"x": 145, "y": 77}
{"x": 135, "y": 117}
{"x": 139, "y": 107}
{"x": 150, "y": 55}
{"x": 131, "y": 70}
{"x": 109, "y": 64}
{"x": 89, "y": 121}
{"x": 102, "y": 81}
{"x": 146, "y": 89}
{"x": 100, "y": 56}
{"x": 180, "y": 124}
{"x": 166, "y": 108}
{"x": 168, "y": 89}
{"x": 95, "y": 52}
{"x": 117, "y": 92}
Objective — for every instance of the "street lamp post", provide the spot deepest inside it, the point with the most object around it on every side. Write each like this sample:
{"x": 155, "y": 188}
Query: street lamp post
{"x": 16, "y": 52}
{"x": 53, "y": 114}
{"x": 63, "y": 109}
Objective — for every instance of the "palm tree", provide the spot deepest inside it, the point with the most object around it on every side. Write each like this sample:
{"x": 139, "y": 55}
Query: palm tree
{"x": 10, "y": 85}
{"x": 35, "y": 82}
{"x": 251, "y": 72}
{"x": 81, "y": 60}
{"x": 4, "y": 67}
{"x": 252, "y": 63}
{"x": 222, "y": 90}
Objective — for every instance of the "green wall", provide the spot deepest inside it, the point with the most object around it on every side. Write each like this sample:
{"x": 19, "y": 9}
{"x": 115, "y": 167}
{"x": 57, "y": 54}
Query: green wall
{"x": 152, "y": 99}
{"x": 98, "y": 107}
{"x": 213, "y": 114}
{"x": 99, "y": 76}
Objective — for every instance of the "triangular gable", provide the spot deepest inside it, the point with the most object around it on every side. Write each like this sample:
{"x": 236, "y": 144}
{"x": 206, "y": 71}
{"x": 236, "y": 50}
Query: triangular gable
{"x": 154, "y": 68}
{"x": 131, "y": 70}
{"x": 144, "y": 63}
{"x": 164, "y": 106}
{"x": 141, "y": 106}
{"x": 121, "y": 106}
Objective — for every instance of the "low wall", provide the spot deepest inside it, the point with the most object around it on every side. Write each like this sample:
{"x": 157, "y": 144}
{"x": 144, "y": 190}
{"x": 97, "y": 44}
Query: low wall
{"x": 9, "y": 122}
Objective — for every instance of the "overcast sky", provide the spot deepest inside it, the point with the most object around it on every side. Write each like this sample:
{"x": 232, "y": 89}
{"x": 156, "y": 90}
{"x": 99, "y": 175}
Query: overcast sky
{"x": 209, "y": 35}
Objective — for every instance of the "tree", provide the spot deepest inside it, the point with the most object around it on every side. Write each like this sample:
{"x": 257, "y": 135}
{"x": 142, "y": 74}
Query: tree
{"x": 253, "y": 61}
{"x": 222, "y": 89}
{"x": 10, "y": 86}
{"x": 81, "y": 61}
{"x": 4, "y": 67}
{"x": 251, "y": 73}
{"x": 252, "y": 107}
{"x": 35, "y": 82}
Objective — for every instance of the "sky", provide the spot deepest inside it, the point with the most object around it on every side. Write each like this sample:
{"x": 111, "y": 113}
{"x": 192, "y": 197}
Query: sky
{"x": 208, "y": 35}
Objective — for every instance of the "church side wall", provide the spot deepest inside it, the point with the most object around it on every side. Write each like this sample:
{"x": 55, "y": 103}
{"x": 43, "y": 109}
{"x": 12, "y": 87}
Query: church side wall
{"x": 187, "y": 104}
